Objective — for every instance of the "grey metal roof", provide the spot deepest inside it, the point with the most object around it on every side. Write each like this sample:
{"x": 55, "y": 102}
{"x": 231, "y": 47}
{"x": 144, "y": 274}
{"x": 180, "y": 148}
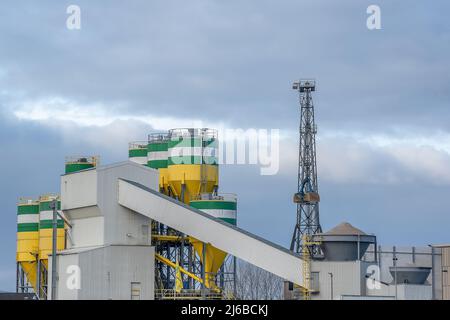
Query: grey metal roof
{"x": 344, "y": 229}
{"x": 113, "y": 165}
{"x": 444, "y": 245}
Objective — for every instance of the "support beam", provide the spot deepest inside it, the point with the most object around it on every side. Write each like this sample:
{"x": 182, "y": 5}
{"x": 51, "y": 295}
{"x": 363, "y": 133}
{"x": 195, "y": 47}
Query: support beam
{"x": 173, "y": 265}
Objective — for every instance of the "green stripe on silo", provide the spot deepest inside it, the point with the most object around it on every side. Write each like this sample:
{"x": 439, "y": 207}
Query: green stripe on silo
{"x": 75, "y": 167}
{"x": 212, "y": 143}
{"x": 192, "y": 142}
{"x": 48, "y": 224}
{"x": 157, "y": 164}
{"x": 228, "y": 220}
{"x": 185, "y": 142}
{"x": 211, "y": 204}
{"x": 132, "y": 153}
{"x": 220, "y": 209}
{"x": 184, "y": 160}
{"x": 157, "y": 155}
{"x": 27, "y": 227}
{"x": 161, "y": 146}
{"x": 192, "y": 160}
{"x": 210, "y": 160}
{"x": 28, "y": 209}
{"x": 45, "y": 206}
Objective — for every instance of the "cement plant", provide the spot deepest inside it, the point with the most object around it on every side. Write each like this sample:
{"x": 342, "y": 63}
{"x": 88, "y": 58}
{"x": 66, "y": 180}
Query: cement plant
{"x": 157, "y": 227}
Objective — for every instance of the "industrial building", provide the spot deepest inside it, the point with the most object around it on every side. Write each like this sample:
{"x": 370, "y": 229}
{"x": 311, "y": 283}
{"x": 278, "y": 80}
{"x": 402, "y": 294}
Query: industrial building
{"x": 157, "y": 227}
{"x": 353, "y": 266}
{"x": 139, "y": 230}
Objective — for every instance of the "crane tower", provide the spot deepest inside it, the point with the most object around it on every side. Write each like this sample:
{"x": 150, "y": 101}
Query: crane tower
{"x": 307, "y": 196}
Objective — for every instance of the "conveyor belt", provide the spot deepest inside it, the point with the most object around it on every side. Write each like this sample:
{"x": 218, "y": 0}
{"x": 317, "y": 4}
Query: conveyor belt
{"x": 240, "y": 243}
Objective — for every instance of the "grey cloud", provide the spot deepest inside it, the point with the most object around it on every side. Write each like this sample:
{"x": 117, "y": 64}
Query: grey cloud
{"x": 217, "y": 60}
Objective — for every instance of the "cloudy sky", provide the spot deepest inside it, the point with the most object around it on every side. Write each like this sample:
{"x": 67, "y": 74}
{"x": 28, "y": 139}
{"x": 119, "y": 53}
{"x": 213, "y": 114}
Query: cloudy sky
{"x": 382, "y": 102}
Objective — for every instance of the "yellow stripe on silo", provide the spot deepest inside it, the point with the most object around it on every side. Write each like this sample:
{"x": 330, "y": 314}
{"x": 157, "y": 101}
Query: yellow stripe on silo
{"x": 46, "y": 227}
{"x": 191, "y": 176}
{"x": 28, "y": 238}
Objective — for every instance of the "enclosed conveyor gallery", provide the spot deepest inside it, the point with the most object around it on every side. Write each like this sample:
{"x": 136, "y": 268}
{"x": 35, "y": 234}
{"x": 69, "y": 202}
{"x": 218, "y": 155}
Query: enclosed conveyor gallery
{"x": 224, "y": 236}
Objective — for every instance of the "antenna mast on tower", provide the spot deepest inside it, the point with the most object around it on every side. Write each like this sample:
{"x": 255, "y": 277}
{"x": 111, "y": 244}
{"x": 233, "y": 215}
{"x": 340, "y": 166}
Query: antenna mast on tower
{"x": 307, "y": 196}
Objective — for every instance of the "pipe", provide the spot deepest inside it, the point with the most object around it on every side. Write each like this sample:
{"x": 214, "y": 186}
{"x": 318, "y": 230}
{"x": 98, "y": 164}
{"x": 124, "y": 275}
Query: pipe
{"x": 17, "y": 277}
{"x": 433, "y": 270}
{"x": 38, "y": 278}
{"x": 331, "y": 285}
{"x": 203, "y": 270}
{"x": 54, "y": 238}
{"x": 358, "y": 257}
{"x": 234, "y": 276}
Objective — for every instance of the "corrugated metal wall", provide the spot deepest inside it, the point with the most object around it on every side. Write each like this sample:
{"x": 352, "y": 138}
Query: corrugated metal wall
{"x": 347, "y": 278}
{"x": 111, "y": 272}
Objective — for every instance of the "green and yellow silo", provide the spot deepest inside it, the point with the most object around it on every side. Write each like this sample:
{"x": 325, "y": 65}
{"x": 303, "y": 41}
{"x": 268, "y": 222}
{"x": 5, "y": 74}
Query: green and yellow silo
{"x": 192, "y": 163}
{"x": 157, "y": 157}
{"x": 225, "y": 209}
{"x": 137, "y": 152}
{"x": 28, "y": 238}
{"x": 193, "y": 174}
{"x": 219, "y": 207}
{"x": 46, "y": 227}
{"x": 75, "y": 163}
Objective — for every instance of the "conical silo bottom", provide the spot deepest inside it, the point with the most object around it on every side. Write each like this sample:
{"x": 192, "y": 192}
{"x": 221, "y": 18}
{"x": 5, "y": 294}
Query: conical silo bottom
{"x": 30, "y": 270}
{"x": 214, "y": 260}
